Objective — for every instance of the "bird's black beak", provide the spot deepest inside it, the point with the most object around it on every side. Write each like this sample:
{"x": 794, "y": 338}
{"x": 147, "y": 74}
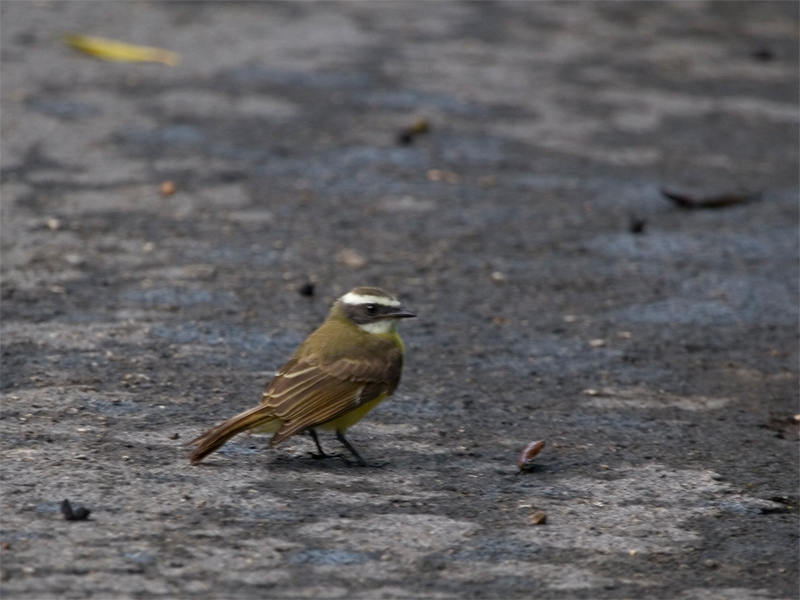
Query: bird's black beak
{"x": 400, "y": 313}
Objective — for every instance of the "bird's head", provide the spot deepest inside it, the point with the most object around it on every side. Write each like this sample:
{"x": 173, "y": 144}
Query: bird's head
{"x": 371, "y": 309}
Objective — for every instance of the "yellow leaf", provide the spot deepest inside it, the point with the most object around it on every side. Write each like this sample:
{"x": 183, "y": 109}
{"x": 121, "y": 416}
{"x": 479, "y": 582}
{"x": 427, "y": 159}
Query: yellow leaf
{"x": 114, "y": 50}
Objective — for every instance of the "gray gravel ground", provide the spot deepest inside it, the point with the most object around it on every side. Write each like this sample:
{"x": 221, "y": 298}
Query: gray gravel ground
{"x": 661, "y": 367}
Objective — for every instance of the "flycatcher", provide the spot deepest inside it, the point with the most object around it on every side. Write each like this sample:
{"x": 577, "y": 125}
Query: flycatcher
{"x": 340, "y": 373}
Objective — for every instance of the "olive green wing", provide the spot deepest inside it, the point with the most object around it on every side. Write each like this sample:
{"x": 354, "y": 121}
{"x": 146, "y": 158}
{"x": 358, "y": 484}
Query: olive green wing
{"x": 307, "y": 391}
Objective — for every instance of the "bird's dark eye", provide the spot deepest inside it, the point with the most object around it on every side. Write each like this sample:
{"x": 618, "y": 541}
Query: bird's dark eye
{"x": 371, "y": 309}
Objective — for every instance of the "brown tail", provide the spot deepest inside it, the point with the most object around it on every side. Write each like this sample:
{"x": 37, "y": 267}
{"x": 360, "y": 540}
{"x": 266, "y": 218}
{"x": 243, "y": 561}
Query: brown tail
{"x": 215, "y": 438}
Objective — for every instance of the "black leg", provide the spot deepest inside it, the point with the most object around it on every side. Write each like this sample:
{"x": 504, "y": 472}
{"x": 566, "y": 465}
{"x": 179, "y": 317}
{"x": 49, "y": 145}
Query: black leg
{"x": 346, "y": 444}
{"x": 314, "y": 437}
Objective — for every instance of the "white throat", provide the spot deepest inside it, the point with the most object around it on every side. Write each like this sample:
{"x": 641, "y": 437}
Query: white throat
{"x": 380, "y": 326}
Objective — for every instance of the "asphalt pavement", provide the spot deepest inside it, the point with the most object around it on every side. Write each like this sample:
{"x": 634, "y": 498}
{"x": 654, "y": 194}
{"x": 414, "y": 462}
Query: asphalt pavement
{"x": 592, "y": 207}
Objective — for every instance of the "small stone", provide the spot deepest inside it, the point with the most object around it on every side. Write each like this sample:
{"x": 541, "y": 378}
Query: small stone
{"x": 306, "y": 289}
{"x": 440, "y": 175}
{"x": 76, "y": 260}
{"x": 498, "y": 277}
{"x": 77, "y": 514}
{"x": 351, "y": 258}
{"x": 590, "y": 392}
{"x": 407, "y": 135}
{"x": 597, "y": 343}
{"x": 53, "y": 224}
{"x": 539, "y": 517}
{"x": 175, "y": 436}
{"x": 81, "y": 514}
{"x": 637, "y": 225}
{"x": 711, "y": 563}
{"x": 167, "y": 188}
{"x": 763, "y": 53}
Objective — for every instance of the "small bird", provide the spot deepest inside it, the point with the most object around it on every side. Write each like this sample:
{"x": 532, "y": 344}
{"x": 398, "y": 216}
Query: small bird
{"x": 338, "y": 374}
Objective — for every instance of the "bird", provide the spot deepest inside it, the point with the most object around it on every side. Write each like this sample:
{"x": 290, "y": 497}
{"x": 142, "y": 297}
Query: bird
{"x": 344, "y": 369}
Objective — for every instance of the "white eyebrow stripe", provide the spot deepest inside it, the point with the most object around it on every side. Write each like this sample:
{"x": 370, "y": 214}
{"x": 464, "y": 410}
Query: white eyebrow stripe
{"x": 351, "y": 298}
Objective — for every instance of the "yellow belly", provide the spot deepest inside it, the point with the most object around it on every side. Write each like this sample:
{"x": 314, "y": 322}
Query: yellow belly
{"x": 354, "y": 416}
